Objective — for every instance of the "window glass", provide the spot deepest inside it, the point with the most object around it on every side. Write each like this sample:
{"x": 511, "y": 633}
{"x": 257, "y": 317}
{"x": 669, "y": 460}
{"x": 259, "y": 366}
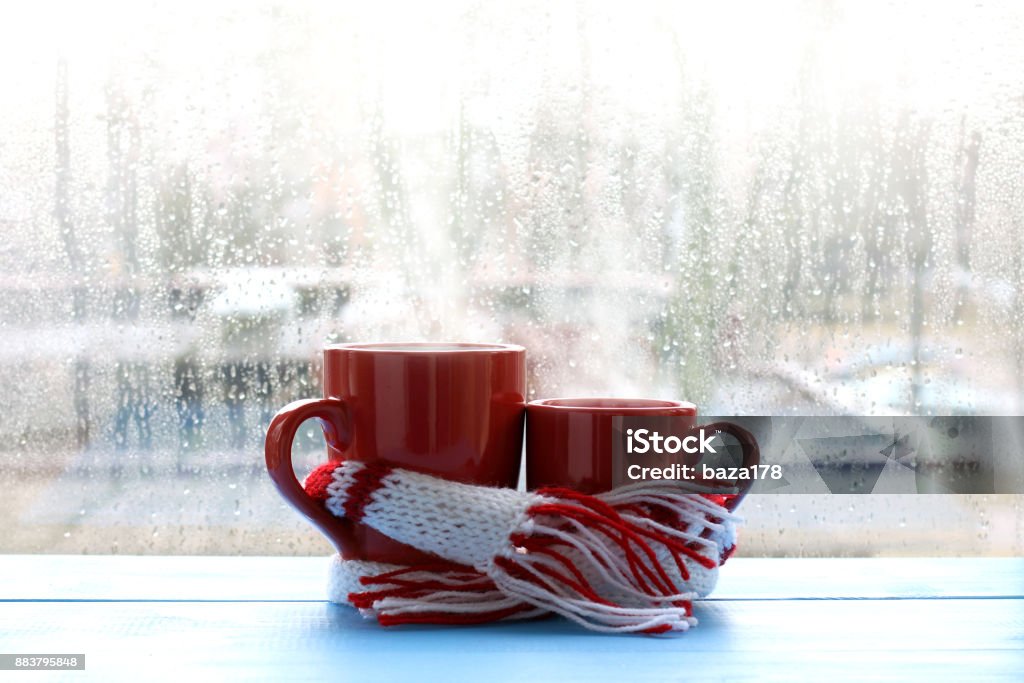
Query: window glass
{"x": 763, "y": 208}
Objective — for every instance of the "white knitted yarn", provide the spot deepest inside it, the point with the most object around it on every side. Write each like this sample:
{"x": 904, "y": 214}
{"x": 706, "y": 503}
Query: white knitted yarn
{"x": 471, "y": 525}
{"x": 462, "y": 523}
{"x": 343, "y": 577}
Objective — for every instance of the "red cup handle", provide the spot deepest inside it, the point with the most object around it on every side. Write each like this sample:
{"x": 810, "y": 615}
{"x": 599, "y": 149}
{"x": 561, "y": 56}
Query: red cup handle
{"x": 751, "y": 456}
{"x": 334, "y": 420}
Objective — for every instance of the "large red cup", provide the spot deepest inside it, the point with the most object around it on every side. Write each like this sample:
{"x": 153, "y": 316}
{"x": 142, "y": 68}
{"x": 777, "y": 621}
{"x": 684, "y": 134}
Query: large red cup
{"x": 570, "y": 441}
{"x": 451, "y": 410}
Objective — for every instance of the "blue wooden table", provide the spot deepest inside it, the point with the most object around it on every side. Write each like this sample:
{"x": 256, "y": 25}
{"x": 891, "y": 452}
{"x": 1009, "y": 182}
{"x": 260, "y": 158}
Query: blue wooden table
{"x": 246, "y": 618}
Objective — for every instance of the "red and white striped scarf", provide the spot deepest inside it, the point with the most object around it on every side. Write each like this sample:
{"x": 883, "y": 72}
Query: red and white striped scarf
{"x": 632, "y": 559}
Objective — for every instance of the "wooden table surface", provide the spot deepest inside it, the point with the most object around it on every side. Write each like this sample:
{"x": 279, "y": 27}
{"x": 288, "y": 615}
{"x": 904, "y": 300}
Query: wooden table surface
{"x": 246, "y": 618}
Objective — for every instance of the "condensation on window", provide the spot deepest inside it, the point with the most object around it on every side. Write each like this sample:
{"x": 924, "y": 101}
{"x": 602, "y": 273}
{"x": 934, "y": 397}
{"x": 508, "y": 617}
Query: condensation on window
{"x": 764, "y": 208}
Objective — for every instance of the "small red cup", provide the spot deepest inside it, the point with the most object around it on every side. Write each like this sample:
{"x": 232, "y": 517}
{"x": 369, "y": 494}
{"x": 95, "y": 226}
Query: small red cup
{"x": 570, "y": 442}
{"x": 450, "y": 410}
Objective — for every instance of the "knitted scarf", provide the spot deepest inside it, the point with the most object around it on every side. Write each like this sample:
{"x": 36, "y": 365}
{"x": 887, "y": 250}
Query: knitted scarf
{"x": 630, "y": 560}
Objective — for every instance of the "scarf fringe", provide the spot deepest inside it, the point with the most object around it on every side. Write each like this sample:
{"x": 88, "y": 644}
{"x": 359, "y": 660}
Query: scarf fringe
{"x": 630, "y": 560}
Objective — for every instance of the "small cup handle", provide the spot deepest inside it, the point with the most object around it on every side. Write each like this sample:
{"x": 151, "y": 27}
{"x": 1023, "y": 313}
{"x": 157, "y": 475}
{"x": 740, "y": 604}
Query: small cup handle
{"x": 751, "y": 456}
{"x": 334, "y": 419}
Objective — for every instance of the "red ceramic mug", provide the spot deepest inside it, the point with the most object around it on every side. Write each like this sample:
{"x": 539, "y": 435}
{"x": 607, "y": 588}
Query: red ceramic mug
{"x": 451, "y": 410}
{"x": 570, "y": 442}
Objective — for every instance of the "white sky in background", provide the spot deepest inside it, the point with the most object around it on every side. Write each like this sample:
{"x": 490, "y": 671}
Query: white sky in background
{"x": 942, "y": 54}
{"x": 196, "y": 59}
